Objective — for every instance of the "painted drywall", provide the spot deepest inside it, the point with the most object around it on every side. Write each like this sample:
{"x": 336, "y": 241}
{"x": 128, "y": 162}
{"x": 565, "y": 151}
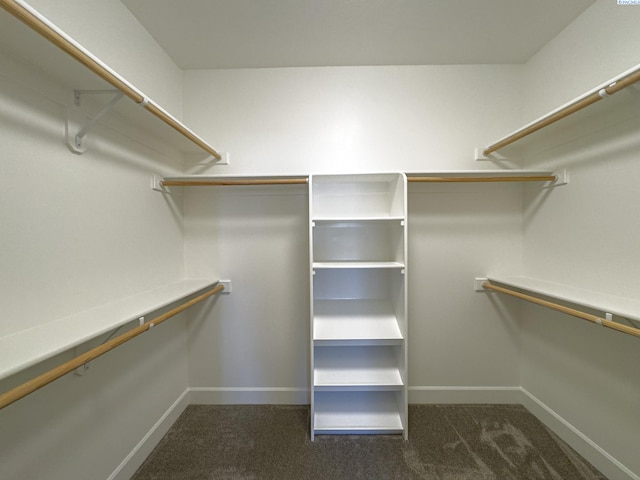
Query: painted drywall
{"x": 253, "y": 346}
{"x": 255, "y": 338}
{"x": 587, "y": 235}
{"x": 332, "y": 120}
{"x": 457, "y": 337}
{"x": 85, "y": 427}
{"x": 596, "y": 46}
{"x": 107, "y": 29}
{"x": 299, "y": 121}
{"x": 78, "y": 232}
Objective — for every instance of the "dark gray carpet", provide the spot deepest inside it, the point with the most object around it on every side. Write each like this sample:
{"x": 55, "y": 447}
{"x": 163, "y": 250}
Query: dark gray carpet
{"x": 446, "y": 442}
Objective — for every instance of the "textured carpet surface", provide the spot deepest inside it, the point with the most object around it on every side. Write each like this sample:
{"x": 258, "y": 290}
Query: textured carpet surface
{"x": 446, "y": 442}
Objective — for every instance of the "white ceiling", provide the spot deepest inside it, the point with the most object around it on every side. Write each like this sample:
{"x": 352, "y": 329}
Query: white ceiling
{"x": 204, "y": 34}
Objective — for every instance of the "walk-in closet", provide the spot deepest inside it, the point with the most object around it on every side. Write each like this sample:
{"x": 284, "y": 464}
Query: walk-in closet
{"x": 319, "y": 239}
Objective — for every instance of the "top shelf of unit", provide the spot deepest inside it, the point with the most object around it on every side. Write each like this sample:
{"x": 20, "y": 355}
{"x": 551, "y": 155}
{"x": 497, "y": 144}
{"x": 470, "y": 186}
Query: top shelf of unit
{"x": 60, "y": 61}
{"x": 607, "y": 104}
{"x": 26, "y": 348}
{"x": 363, "y": 196}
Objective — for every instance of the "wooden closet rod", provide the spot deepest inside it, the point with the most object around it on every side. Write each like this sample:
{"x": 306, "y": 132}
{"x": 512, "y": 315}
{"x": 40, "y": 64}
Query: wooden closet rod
{"x": 48, "y": 30}
{"x": 300, "y": 181}
{"x": 205, "y": 183}
{"x": 539, "y": 178}
{"x": 619, "y": 84}
{"x": 561, "y": 308}
{"x": 34, "y": 384}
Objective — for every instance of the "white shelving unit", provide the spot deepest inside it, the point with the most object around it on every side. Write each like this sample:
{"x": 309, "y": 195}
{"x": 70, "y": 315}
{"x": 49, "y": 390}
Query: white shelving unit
{"x": 358, "y": 251}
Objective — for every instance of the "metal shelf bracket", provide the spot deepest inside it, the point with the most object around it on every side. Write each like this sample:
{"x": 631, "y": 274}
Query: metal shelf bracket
{"x": 78, "y": 124}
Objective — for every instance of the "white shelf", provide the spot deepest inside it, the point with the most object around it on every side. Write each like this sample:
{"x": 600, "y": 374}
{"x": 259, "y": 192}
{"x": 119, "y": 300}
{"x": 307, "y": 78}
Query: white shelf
{"x": 347, "y": 264}
{"x": 359, "y": 283}
{"x": 616, "y": 305}
{"x": 29, "y": 347}
{"x": 376, "y": 242}
{"x": 29, "y": 48}
{"x": 357, "y": 413}
{"x": 356, "y": 368}
{"x": 355, "y": 321}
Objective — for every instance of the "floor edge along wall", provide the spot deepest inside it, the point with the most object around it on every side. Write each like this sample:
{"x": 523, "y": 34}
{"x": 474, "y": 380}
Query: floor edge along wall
{"x": 592, "y": 452}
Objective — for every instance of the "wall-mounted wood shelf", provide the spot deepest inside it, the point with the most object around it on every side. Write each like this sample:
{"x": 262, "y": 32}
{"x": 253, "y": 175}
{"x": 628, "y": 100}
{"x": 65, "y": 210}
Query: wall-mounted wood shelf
{"x": 621, "y": 306}
{"x": 611, "y": 102}
{"x": 42, "y": 46}
{"x": 435, "y": 176}
{"x": 26, "y": 348}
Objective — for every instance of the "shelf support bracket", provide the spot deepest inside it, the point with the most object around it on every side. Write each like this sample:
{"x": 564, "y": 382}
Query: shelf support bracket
{"x": 82, "y": 369}
{"x": 77, "y": 126}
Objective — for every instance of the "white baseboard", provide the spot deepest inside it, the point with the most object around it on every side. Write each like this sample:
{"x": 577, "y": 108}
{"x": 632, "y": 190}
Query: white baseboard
{"x": 249, "y": 396}
{"x": 141, "y": 451}
{"x": 592, "y": 452}
{"x": 464, "y": 395}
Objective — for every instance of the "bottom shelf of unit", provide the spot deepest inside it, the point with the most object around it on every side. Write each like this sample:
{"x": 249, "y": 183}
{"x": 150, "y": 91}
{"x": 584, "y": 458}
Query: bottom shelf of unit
{"x": 350, "y": 412}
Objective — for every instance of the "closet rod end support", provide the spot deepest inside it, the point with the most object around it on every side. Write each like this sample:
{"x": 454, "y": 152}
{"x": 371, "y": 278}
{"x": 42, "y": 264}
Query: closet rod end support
{"x": 227, "y": 286}
{"x": 562, "y": 178}
{"x": 480, "y": 156}
{"x": 225, "y": 160}
{"x": 477, "y": 284}
{"x": 157, "y": 185}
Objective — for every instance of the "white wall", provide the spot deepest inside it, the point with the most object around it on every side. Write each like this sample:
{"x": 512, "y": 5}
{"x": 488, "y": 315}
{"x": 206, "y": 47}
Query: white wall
{"x": 587, "y": 235}
{"x": 255, "y": 338}
{"x": 107, "y": 29}
{"x": 78, "y": 232}
{"x": 331, "y": 120}
{"x": 310, "y": 120}
{"x": 65, "y": 234}
{"x": 457, "y": 337}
